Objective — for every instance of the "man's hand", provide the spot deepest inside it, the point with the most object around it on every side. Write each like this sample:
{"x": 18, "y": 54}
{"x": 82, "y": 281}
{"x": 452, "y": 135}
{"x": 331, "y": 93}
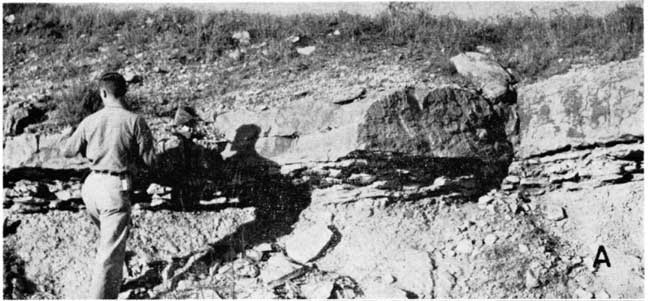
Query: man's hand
{"x": 67, "y": 131}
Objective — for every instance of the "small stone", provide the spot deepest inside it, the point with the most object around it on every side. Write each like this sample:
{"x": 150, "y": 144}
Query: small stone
{"x": 254, "y": 255}
{"x": 292, "y": 169}
{"x": 523, "y": 248}
{"x": 335, "y": 173}
{"x": 508, "y": 187}
{"x": 319, "y": 290}
{"x": 512, "y": 180}
{"x": 56, "y": 204}
{"x": 154, "y": 189}
{"x": 582, "y": 294}
{"x": 490, "y": 239}
{"x": 361, "y": 179}
{"x": 243, "y": 37}
{"x": 30, "y": 201}
{"x": 305, "y": 50}
{"x": 10, "y": 19}
{"x": 157, "y": 201}
{"x": 576, "y": 260}
{"x": 530, "y": 280}
{"x": 485, "y": 200}
{"x": 63, "y": 195}
{"x": 263, "y": 247}
{"x": 464, "y": 247}
{"x": 555, "y": 213}
{"x": 124, "y": 295}
{"x": 215, "y": 201}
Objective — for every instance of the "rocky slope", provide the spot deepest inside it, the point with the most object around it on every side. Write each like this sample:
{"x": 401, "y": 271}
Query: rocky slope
{"x": 434, "y": 190}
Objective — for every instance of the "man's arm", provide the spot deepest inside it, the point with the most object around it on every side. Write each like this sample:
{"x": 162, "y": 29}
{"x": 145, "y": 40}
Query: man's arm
{"x": 144, "y": 138}
{"x": 75, "y": 144}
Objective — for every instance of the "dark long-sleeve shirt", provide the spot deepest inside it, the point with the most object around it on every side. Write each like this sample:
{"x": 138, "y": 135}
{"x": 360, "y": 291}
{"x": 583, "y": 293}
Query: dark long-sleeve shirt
{"x": 112, "y": 139}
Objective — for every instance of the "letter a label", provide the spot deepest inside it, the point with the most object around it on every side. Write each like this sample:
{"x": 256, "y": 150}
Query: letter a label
{"x": 601, "y": 257}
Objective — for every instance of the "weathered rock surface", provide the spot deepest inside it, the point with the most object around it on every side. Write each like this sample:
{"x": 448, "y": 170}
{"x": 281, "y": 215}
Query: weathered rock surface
{"x": 38, "y": 150}
{"x": 583, "y": 107}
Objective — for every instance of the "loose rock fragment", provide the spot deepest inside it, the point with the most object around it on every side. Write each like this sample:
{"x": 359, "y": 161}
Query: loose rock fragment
{"x": 278, "y": 269}
{"x": 555, "y": 213}
{"x": 465, "y": 246}
{"x": 362, "y": 179}
{"x": 530, "y": 280}
{"x": 307, "y": 243}
{"x": 305, "y": 50}
{"x": 490, "y": 239}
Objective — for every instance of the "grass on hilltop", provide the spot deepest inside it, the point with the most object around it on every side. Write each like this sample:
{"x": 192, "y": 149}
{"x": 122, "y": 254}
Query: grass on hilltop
{"x": 533, "y": 46}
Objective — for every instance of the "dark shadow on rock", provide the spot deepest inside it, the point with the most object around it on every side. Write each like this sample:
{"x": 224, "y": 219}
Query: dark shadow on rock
{"x": 399, "y": 169}
{"x": 256, "y": 181}
{"x": 189, "y": 168}
{"x": 43, "y": 174}
{"x": 16, "y": 285}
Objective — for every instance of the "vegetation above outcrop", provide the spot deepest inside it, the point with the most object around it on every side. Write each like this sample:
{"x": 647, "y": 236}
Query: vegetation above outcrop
{"x": 532, "y": 45}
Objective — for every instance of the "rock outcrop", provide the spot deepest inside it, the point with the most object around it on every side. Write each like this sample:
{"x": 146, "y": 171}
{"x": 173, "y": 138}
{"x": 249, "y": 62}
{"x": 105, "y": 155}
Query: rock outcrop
{"x": 585, "y": 107}
{"x": 446, "y": 123}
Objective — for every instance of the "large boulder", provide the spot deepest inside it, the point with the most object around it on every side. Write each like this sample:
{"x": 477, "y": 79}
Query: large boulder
{"x": 583, "y": 107}
{"x": 485, "y": 73}
{"x": 445, "y": 121}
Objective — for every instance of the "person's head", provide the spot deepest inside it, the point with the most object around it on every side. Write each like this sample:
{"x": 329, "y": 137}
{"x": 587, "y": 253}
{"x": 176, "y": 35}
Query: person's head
{"x": 246, "y": 137}
{"x": 112, "y": 87}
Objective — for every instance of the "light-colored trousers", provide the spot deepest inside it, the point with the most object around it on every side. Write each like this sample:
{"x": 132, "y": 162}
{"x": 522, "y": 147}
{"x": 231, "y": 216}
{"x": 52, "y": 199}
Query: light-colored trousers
{"x": 109, "y": 208}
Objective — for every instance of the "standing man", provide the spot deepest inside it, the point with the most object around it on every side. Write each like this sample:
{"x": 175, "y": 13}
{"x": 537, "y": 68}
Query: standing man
{"x": 114, "y": 140}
